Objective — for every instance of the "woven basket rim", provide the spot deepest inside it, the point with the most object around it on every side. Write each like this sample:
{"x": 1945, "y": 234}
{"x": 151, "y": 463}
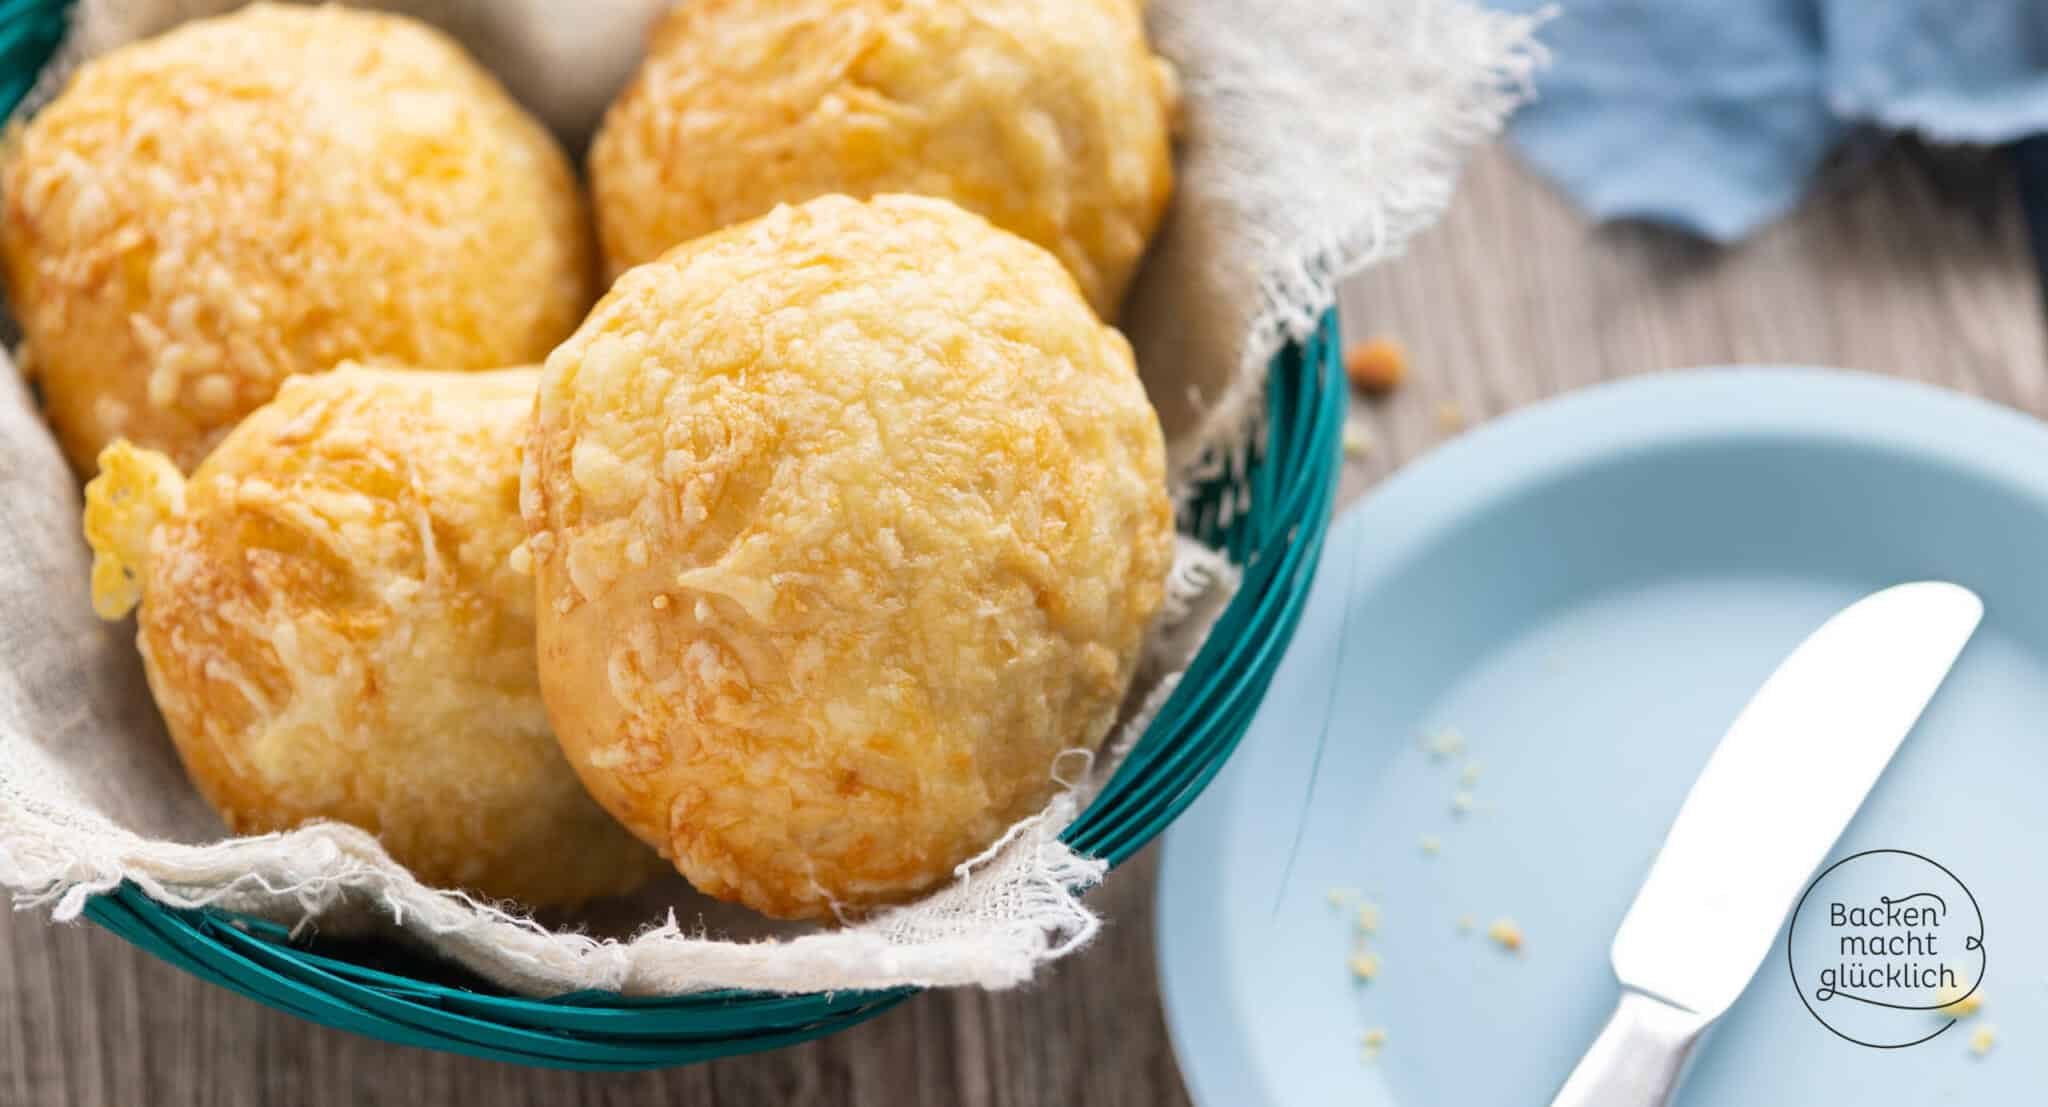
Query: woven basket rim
{"x": 606, "y": 1031}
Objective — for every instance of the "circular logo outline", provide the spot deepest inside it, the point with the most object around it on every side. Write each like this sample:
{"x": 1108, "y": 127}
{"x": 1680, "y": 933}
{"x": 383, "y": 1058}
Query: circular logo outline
{"x": 1792, "y": 968}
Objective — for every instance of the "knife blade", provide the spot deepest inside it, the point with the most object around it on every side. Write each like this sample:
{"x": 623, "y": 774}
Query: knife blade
{"x": 1775, "y": 795}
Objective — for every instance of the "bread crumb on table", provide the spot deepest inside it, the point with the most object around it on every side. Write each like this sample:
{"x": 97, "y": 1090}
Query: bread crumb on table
{"x": 1959, "y": 1002}
{"x": 1371, "y": 1042}
{"x": 1368, "y": 918}
{"x": 1376, "y": 366}
{"x": 1432, "y": 845}
{"x": 1507, "y": 934}
{"x": 1471, "y": 774}
{"x": 1357, "y": 443}
{"x": 1443, "y": 742}
{"x": 1461, "y": 802}
{"x": 1466, "y": 924}
{"x": 1985, "y": 1037}
{"x": 1364, "y": 965}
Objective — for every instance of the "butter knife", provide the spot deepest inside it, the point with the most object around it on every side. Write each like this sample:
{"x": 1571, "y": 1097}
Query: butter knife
{"x": 1775, "y": 795}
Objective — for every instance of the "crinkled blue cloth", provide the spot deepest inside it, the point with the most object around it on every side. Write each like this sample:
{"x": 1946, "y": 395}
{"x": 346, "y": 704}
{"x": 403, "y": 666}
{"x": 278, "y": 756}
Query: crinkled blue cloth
{"x": 1712, "y": 115}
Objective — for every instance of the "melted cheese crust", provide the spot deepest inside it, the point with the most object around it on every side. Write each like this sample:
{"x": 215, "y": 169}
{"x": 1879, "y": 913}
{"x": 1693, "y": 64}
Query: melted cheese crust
{"x": 1049, "y": 117}
{"x": 846, "y": 522}
{"x": 333, "y": 630}
{"x": 202, "y": 214}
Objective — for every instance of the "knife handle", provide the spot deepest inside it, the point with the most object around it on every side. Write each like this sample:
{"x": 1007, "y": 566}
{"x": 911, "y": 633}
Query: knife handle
{"x": 1638, "y": 1057}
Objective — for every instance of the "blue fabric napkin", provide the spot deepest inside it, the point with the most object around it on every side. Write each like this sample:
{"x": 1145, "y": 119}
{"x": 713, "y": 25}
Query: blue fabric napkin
{"x": 1712, "y": 115}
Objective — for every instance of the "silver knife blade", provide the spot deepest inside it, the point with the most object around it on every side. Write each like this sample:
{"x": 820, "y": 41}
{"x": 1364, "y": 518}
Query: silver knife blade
{"x": 1781, "y": 787}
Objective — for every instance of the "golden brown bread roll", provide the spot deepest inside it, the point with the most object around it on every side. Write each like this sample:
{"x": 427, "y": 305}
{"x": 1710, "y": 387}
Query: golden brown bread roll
{"x": 272, "y": 192}
{"x": 846, "y": 522}
{"x": 1049, "y": 117}
{"x": 332, "y": 630}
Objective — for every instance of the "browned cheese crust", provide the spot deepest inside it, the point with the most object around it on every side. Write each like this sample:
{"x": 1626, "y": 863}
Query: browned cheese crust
{"x": 333, "y": 630}
{"x": 197, "y": 216}
{"x": 846, "y": 522}
{"x": 1049, "y": 117}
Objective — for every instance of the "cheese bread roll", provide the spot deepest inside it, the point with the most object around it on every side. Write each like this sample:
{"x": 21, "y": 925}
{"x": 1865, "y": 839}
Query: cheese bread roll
{"x": 333, "y": 630}
{"x": 200, "y": 215}
{"x": 1049, "y": 117}
{"x": 846, "y": 523}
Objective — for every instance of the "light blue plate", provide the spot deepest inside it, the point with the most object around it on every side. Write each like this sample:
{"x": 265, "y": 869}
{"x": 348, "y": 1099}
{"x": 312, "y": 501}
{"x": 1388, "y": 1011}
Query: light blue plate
{"x": 1589, "y": 591}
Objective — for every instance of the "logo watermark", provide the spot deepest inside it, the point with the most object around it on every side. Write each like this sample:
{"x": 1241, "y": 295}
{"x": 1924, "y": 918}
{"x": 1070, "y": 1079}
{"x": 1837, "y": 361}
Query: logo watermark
{"x": 1886, "y": 948}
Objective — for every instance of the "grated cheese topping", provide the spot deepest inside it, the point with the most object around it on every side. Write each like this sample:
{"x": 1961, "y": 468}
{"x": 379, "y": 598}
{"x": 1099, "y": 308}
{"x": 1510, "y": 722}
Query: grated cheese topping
{"x": 200, "y": 215}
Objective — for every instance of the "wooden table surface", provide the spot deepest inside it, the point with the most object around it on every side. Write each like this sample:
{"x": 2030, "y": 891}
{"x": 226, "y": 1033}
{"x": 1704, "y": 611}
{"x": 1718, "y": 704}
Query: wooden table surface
{"x": 1911, "y": 269}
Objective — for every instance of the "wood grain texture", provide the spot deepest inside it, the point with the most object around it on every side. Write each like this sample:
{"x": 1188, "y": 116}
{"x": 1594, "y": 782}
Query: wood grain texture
{"x": 1915, "y": 268}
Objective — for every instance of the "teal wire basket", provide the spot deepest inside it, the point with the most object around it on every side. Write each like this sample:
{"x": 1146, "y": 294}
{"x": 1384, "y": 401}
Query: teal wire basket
{"x": 1270, "y": 514}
